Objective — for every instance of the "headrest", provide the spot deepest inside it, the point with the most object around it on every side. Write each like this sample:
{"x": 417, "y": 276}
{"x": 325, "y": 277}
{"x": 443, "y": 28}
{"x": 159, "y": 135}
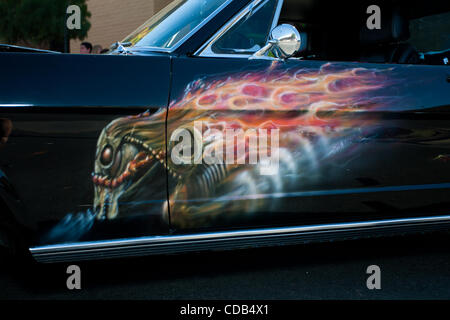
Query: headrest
{"x": 394, "y": 28}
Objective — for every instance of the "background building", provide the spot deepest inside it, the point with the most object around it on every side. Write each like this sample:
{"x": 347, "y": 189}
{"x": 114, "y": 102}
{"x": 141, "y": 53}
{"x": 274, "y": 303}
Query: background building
{"x": 113, "y": 20}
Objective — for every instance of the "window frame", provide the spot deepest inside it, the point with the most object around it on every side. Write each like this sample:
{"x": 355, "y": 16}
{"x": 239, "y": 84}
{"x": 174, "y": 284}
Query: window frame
{"x": 206, "y": 49}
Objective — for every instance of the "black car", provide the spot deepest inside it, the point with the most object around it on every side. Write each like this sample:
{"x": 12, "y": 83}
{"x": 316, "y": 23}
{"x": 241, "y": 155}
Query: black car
{"x": 227, "y": 124}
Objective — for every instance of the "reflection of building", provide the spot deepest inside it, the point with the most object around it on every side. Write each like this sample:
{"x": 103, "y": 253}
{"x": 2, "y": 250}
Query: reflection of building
{"x": 112, "y": 20}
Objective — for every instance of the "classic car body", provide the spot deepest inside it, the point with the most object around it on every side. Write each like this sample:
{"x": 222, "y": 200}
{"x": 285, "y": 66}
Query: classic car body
{"x": 88, "y": 141}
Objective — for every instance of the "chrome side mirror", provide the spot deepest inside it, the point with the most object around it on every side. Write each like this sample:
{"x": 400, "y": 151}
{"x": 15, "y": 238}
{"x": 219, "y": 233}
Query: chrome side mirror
{"x": 284, "y": 41}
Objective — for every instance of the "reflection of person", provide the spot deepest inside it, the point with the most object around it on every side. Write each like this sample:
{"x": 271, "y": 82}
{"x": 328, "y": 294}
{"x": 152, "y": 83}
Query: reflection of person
{"x": 86, "y": 48}
{"x": 5, "y": 131}
{"x": 97, "y": 49}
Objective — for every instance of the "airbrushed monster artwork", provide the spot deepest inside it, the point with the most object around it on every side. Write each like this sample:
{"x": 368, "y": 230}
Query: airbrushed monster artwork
{"x": 227, "y": 124}
{"x": 312, "y": 112}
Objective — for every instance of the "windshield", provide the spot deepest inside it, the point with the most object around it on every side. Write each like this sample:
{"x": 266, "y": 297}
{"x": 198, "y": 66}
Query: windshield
{"x": 173, "y": 23}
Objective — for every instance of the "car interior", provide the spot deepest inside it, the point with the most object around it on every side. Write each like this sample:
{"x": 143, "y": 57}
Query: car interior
{"x": 337, "y": 30}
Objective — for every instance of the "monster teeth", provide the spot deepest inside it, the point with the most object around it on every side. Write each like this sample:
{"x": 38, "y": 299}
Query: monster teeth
{"x": 140, "y": 155}
{"x": 101, "y": 181}
{"x": 132, "y": 167}
{"x": 138, "y": 142}
{"x": 142, "y": 144}
{"x": 126, "y": 174}
{"x": 141, "y": 160}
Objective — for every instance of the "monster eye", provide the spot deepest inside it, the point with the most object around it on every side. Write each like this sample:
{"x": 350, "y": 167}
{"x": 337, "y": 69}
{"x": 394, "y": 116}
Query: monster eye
{"x": 106, "y": 156}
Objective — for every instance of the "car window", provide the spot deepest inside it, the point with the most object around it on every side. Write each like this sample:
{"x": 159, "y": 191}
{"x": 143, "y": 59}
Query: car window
{"x": 431, "y": 36}
{"x": 250, "y": 33}
{"x": 173, "y": 23}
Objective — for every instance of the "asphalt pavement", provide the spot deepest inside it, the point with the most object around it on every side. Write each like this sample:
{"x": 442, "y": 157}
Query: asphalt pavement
{"x": 412, "y": 267}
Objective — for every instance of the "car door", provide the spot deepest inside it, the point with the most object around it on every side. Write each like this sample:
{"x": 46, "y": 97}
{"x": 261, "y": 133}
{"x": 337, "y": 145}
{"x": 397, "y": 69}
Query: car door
{"x": 77, "y": 144}
{"x": 311, "y": 142}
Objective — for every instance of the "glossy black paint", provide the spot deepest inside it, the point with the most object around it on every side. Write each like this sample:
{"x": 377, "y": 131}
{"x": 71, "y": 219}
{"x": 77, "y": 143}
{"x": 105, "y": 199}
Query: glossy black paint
{"x": 59, "y": 104}
{"x": 49, "y": 80}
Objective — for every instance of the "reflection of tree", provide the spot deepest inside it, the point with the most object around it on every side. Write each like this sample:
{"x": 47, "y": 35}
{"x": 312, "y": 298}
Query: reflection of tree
{"x": 141, "y": 35}
{"x": 40, "y": 23}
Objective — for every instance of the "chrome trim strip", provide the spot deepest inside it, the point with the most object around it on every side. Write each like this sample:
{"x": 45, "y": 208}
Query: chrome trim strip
{"x": 15, "y": 105}
{"x": 28, "y": 49}
{"x": 205, "y": 49}
{"x": 187, "y": 36}
{"x": 228, "y": 235}
{"x": 276, "y": 17}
